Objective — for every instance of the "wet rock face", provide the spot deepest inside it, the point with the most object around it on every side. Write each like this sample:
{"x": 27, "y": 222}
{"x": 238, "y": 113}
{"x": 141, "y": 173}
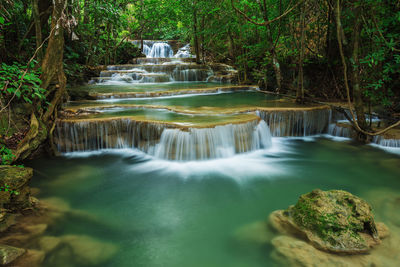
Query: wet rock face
{"x": 334, "y": 221}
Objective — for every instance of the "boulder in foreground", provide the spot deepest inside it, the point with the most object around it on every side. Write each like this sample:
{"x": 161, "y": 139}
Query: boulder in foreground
{"x": 334, "y": 221}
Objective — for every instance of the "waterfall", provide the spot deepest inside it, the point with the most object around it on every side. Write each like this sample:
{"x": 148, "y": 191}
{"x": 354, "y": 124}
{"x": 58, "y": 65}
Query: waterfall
{"x": 380, "y": 140}
{"x": 297, "y": 123}
{"x": 71, "y": 136}
{"x": 218, "y": 142}
{"x": 184, "y": 52}
{"x": 160, "y": 50}
{"x": 184, "y": 74}
{"x": 155, "y": 73}
{"x": 162, "y": 141}
{"x": 155, "y": 49}
{"x": 161, "y": 66}
{"x": 339, "y": 131}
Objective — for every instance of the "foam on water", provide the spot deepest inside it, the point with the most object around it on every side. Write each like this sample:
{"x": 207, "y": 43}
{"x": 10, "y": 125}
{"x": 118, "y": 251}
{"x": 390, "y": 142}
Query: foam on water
{"x": 262, "y": 163}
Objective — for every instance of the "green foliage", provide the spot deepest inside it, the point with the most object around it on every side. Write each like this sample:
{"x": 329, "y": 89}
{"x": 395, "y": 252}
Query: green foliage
{"x": 125, "y": 52}
{"x": 6, "y": 188}
{"x": 20, "y": 82}
{"x": 379, "y": 57}
{"x": 6, "y": 156}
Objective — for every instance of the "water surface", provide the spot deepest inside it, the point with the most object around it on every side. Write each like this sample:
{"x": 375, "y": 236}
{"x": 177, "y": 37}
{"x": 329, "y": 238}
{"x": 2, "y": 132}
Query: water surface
{"x": 164, "y": 213}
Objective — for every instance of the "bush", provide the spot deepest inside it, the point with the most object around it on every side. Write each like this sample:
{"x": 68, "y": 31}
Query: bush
{"x": 126, "y": 52}
{"x": 15, "y": 83}
{"x": 6, "y": 155}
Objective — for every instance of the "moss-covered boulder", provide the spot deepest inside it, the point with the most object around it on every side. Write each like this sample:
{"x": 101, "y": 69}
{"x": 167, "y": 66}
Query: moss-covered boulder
{"x": 335, "y": 221}
{"x": 14, "y": 189}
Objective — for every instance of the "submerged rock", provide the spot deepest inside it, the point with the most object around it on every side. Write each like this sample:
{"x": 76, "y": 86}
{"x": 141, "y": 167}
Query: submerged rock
{"x": 49, "y": 243}
{"x": 89, "y": 251}
{"x": 32, "y": 258}
{"x": 334, "y": 221}
{"x": 256, "y": 233}
{"x": 82, "y": 250}
{"x": 290, "y": 251}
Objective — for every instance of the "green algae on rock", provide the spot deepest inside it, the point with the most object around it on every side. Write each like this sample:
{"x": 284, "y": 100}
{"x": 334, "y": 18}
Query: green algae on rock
{"x": 334, "y": 221}
{"x": 16, "y": 180}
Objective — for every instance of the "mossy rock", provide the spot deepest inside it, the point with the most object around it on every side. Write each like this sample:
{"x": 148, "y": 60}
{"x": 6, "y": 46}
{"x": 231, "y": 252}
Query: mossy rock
{"x": 17, "y": 179}
{"x": 335, "y": 221}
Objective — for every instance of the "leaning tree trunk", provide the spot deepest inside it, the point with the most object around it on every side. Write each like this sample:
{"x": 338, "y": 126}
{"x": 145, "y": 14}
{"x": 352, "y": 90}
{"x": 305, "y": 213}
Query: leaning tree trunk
{"x": 54, "y": 81}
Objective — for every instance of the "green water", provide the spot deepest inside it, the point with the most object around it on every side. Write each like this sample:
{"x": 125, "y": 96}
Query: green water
{"x": 145, "y": 87}
{"x": 222, "y": 100}
{"x": 162, "y": 213}
{"x": 168, "y": 116}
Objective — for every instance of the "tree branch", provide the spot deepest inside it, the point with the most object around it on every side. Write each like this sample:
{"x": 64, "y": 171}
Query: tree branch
{"x": 265, "y": 23}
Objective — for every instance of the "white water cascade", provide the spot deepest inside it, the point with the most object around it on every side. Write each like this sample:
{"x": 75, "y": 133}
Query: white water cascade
{"x": 159, "y": 50}
{"x": 162, "y": 141}
{"x": 161, "y": 66}
{"x": 162, "y": 49}
{"x": 297, "y": 123}
{"x": 219, "y": 142}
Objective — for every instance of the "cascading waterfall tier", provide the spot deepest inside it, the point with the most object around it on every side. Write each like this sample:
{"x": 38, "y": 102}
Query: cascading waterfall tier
{"x": 163, "y": 49}
{"x": 340, "y": 130}
{"x": 208, "y": 143}
{"x": 156, "y": 73}
{"x": 297, "y": 122}
{"x": 344, "y": 129}
{"x": 91, "y": 135}
{"x": 164, "y": 141}
{"x": 382, "y": 141}
{"x": 161, "y": 65}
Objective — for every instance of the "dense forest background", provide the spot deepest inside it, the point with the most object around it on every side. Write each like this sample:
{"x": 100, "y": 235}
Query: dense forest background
{"x": 337, "y": 50}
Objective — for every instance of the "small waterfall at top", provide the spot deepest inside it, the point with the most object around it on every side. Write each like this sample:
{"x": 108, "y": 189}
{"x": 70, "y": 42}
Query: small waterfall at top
{"x": 162, "y": 65}
{"x": 162, "y": 49}
{"x": 157, "y": 50}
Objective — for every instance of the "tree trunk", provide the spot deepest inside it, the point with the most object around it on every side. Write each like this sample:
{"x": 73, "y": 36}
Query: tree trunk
{"x": 86, "y": 12}
{"x": 275, "y": 62}
{"x": 277, "y": 69}
{"x": 38, "y": 28}
{"x": 195, "y": 37}
{"x": 300, "y": 84}
{"x": 54, "y": 81}
{"x": 328, "y": 30}
{"x": 357, "y": 91}
{"x": 203, "y": 54}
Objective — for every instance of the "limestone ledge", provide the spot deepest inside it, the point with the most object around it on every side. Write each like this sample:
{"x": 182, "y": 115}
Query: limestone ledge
{"x": 240, "y": 119}
{"x": 171, "y": 92}
{"x": 83, "y": 110}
